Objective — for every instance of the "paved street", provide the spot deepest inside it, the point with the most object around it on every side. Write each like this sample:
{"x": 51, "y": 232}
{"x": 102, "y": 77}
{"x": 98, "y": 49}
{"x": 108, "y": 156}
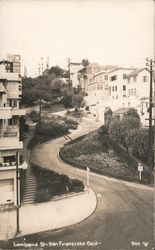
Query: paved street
{"x": 124, "y": 215}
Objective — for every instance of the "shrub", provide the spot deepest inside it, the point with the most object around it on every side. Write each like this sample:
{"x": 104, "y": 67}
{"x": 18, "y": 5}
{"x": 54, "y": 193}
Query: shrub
{"x": 50, "y": 184}
{"x": 34, "y": 116}
{"x": 76, "y": 186}
{"x": 51, "y": 129}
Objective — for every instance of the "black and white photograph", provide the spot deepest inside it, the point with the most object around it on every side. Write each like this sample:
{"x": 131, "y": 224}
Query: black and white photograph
{"x": 77, "y": 118}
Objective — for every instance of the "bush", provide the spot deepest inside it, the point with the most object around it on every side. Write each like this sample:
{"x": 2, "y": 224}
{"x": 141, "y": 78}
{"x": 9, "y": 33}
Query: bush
{"x": 51, "y": 129}
{"x": 34, "y": 116}
{"x": 76, "y": 186}
{"x": 50, "y": 184}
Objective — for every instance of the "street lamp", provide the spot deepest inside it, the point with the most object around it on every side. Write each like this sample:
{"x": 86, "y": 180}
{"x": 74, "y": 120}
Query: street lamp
{"x": 17, "y": 192}
{"x": 24, "y": 166}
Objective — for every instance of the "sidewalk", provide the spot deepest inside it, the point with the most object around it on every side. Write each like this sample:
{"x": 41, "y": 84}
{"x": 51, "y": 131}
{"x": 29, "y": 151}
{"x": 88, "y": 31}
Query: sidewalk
{"x": 56, "y": 214}
{"x": 34, "y": 218}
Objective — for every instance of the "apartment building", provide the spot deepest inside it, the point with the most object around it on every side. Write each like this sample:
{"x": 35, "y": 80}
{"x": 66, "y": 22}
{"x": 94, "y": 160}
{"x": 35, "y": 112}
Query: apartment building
{"x": 98, "y": 88}
{"x": 117, "y": 88}
{"x": 86, "y": 74}
{"x": 10, "y": 143}
{"x": 120, "y": 88}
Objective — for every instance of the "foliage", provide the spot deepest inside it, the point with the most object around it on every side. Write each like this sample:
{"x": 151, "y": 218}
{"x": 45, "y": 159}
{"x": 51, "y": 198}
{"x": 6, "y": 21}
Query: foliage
{"x": 23, "y": 127}
{"x": 50, "y": 184}
{"x": 67, "y": 94}
{"x": 40, "y": 87}
{"x": 141, "y": 145}
{"x": 85, "y": 62}
{"x": 77, "y": 100}
{"x": 34, "y": 116}
{"x": 124, "y": 131}
{"x": 88, "y": 151}
{"x": 57, "y": 84}
{"x": 51, "y": 129}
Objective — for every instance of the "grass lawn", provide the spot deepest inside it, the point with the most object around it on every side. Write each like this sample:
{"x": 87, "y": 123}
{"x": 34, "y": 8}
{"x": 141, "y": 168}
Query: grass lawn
{"x": 91, "y": 152}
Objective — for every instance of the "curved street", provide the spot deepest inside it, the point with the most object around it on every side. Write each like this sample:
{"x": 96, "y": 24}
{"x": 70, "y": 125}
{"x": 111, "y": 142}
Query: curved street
{"x": 124, "y": 215}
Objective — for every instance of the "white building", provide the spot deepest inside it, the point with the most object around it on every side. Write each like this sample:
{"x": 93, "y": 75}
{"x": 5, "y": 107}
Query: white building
{"x": 10, "y": 143}
{"x": 74, "y": 68}
{"x": 123, "y": 88}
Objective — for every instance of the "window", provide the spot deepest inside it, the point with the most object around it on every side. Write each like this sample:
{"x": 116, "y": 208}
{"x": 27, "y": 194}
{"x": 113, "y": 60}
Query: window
{"x": 129, "y": 92}
{"x": 145, "y": 79}
{"x": 128, "y": 80}
{"x": 135, "y": 78}
{"x": 135, "y": 91}
{"x": 113, "y": 78}
{"x": 128, "y": 104}
{"x": 115, "y": 88}
{"x": 124, "y": 87}
{"x": 124, "y": 76}
{"x": 106, "y": 78}
{"x": 10, "y": 122}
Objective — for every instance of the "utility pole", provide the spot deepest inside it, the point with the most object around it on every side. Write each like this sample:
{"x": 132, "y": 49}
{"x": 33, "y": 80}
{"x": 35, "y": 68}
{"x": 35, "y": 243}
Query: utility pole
{"x": 42, "y": 64}
{"x": 40, "y": 113}
{"x": 69, "y": 61}
{"x": 151, "y": 134}
{"x": 17, "y": 192}
{"x": 47, "y": 63}
{"x": 39, "y": 69}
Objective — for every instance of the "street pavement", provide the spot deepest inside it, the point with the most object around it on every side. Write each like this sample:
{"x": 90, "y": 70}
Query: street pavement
{"x": 124, "y": 215}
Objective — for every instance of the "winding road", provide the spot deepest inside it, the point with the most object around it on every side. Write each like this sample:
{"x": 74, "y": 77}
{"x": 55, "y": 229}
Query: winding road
{"x": 124, "y": 217}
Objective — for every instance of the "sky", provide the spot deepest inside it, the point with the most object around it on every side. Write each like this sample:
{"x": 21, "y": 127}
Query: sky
{"x": 116, "y": 32}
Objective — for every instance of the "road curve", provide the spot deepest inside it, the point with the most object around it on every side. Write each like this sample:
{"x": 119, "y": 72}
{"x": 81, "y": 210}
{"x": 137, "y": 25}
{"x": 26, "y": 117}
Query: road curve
{"x": 124, "y": 215}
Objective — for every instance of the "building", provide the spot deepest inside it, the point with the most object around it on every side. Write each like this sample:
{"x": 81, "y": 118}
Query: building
{"x": 120, "y": 88}
{"x": 86, "y": 74}
{"x": 15, "y": 59}
{"x": 74, "y": 68}
{"x": 10, "y": 143}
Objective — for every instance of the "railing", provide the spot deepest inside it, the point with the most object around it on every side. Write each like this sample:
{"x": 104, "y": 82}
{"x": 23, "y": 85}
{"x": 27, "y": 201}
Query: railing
{"x": 10, "y": 134}
{"x": 8, "y": 164}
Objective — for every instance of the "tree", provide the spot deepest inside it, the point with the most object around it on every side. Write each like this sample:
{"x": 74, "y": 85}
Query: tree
{"x": 132, "y": 116}
{"x": 85, "y": 62}
{"x": 57, "y": 83}
{"x": 124, "y": 131}
{"x": 116, "y": 130}
{"x": 77, "y": 100}
{"x": 141, "y": 144}
{"x": 67, "y": 94}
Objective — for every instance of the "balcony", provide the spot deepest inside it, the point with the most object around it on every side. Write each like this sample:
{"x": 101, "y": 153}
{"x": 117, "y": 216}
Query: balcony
{"x": 5, "y": 112}
{"x": 8, "y": 112}
{"x": 7, "y": 143}
{"x": 12, "y": 166}
{"x": 18, "y": 112}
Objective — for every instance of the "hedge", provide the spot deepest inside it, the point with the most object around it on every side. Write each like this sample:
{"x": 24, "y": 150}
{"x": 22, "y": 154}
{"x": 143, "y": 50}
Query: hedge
{"x": 50, "y": 184}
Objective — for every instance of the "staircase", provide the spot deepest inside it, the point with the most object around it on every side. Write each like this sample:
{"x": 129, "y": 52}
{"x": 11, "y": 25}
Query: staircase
{"x": 30, "y": 188}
